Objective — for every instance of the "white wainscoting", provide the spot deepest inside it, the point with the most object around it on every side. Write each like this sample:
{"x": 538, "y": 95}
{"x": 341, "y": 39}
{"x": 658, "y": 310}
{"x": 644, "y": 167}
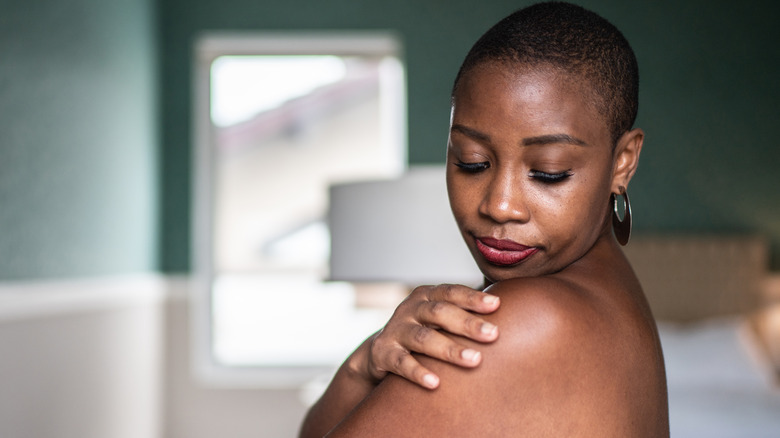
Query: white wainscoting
{"x": 111, "y": 358}
{"x": 82, "y": 358}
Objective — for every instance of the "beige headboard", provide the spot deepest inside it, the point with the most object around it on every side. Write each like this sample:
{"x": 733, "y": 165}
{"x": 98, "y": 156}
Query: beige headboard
{"x": 687, "y": 278}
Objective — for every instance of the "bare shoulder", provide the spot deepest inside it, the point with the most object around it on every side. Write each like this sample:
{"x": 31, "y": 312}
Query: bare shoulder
{"x": 594, "y": 349}
{"x": 561, "y": 366}
{"x": 547, "y": 311}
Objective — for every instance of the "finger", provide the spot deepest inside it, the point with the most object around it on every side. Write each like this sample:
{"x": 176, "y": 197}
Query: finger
{"x": 465, "y": 297}
{"x": 409, "y": 368}
{"x": 455, "y": 320}
{"x": 432, "y": 343}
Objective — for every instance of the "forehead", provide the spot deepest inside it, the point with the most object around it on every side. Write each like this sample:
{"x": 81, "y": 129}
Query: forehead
{"x": 541, "y": 98}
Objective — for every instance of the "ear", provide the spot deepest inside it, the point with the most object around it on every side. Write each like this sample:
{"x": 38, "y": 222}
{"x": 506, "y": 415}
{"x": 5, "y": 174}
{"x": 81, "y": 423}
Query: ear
{"x": 626, "y": 158}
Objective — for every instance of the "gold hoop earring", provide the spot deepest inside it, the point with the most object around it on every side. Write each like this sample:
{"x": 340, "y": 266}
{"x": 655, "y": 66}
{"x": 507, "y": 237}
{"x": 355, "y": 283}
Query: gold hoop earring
{"x": 622, "y": 227}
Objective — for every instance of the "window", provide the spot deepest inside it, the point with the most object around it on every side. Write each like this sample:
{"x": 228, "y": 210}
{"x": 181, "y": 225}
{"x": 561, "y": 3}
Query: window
{"x": 279, "y": 118}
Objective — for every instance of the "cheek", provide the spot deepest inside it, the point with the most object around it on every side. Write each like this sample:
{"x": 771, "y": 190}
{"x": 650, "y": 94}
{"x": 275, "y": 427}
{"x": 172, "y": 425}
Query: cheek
{"x": 453, "y": 193}
{"x": 460, "y": 196}
{"x": 571, "y": 211}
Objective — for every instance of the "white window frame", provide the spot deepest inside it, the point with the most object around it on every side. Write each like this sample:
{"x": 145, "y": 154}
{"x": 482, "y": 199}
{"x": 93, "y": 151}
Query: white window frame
{"x": 207, "y": 48}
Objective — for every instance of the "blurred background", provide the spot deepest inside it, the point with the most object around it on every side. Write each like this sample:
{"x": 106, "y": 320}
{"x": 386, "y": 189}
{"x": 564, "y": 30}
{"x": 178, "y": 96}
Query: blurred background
{"x": 98, "y": 177}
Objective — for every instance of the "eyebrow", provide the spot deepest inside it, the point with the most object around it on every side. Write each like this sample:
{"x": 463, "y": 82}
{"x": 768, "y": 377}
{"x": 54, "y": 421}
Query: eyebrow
{"x": 476, "y": 135}
{"x": 540, "y": 140}
{"x": 553, "y": 138}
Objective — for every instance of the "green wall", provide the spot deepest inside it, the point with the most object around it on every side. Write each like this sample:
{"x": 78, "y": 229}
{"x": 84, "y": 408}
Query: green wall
{"x": 95, "y": 105}
{"x": 709, "y": 92}
{"x": 78, "y": 137}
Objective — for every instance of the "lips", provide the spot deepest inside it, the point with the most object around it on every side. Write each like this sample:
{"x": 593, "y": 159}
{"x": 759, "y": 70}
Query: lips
{"x": 504, "y": 252}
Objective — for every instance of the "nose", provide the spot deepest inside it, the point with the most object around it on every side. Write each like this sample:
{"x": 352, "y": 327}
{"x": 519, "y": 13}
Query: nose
{"x": 503, "y": 200}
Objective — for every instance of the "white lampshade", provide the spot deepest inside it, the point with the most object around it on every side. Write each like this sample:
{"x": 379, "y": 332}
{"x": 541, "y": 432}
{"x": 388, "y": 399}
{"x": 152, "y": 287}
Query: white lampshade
{"x": 399, "y": 230}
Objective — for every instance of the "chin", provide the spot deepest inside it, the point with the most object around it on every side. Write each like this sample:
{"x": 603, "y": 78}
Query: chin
{"x": 494, "y": 274}
{"x": 528, "y": 268}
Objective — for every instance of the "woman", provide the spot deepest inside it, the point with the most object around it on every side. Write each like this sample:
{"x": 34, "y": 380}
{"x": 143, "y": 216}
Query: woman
{"x": 541, "y": 146}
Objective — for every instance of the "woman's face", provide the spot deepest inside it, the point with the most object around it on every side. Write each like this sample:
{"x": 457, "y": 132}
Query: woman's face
{"x": 529, "y": 169}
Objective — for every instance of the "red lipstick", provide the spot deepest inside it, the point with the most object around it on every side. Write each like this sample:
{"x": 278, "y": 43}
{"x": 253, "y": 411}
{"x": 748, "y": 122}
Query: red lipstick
{"x": 504, "y": 252}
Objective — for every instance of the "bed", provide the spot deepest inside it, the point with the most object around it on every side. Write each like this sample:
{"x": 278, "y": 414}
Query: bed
{"x": 715, "y": 304}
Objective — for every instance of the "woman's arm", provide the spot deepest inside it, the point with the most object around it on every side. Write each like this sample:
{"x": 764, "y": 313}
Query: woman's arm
{"x": 414, "y": 327}
{"x": 348, "y": 388}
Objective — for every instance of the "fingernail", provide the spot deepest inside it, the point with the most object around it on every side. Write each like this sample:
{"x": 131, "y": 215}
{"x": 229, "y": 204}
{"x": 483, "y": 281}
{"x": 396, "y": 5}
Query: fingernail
{"x": 488, "y": 328}
{"x": 430, "y": 380}
{"x": 470, "y": 355}
{"x": 490, "y": 299}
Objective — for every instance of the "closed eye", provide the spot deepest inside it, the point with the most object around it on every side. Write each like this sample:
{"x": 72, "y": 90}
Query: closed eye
{"x": 473, "y": 167}
{"x": 549, "y": 178}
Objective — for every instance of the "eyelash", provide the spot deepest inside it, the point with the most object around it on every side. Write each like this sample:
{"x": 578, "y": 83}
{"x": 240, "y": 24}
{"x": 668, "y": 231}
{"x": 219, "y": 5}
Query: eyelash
{"x": 544, "y": 177}
{"x": 473, "y": 167}
{"x": 550, "y": 178}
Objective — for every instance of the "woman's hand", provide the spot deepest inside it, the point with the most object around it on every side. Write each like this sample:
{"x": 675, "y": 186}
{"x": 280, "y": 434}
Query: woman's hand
{"x": 415, "y": 327}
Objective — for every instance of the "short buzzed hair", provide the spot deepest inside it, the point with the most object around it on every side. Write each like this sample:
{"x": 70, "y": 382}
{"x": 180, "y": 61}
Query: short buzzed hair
{"x": 573, "y": 39}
